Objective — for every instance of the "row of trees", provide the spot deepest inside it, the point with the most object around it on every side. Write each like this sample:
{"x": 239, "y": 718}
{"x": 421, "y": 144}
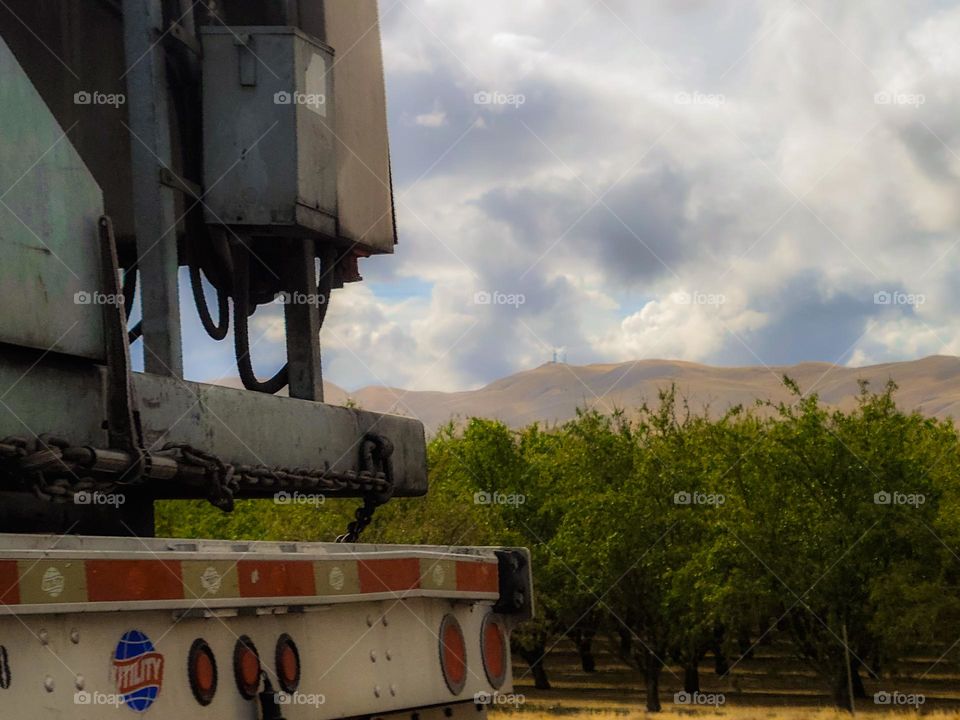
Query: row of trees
{"x": 672, "y": 536}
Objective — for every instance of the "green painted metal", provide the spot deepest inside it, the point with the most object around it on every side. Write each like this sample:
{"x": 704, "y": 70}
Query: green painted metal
{"x": 49, "y": 208}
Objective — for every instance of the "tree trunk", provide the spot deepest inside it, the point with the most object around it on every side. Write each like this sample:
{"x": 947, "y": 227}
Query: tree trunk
{"x": 652, "y": 678}
{"x": 859, "y": 691}
{"x": 841, "y": 695}
{"x": 534, "y": 658}
{"x": 720, "y": 665}
{"x": 626, "y": 643}
{"x": 584, "y": 642}
{"x": 691, "y": 678}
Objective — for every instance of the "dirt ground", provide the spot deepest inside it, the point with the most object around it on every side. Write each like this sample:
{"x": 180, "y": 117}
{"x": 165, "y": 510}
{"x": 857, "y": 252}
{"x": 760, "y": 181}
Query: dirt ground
{"x": 769, "y": 686}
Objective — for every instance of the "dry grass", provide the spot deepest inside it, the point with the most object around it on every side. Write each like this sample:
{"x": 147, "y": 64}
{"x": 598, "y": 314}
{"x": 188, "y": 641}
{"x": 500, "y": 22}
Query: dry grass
{"x": 769, "y": 686}
{"x": 726, "y": 713}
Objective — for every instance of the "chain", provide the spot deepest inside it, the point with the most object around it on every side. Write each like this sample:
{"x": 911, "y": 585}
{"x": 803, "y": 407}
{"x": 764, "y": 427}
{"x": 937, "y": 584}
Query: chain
{"x": 40, "y": 466}
{"x": 222, "y": 483}
{"x": 375, "y": 452}
{"x": 361, "y": 518}
{"x": 56, "y": 471}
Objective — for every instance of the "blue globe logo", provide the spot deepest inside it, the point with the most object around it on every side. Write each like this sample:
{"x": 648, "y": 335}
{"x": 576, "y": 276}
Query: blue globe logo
{"x": 138, "y": 670}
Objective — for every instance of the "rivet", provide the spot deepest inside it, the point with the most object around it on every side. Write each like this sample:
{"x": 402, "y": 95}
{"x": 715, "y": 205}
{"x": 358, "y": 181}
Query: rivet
{"x": 393, "y": 689}
{"x": 388, "y": 655}
{"x": 376, "y": 691}
{"x": 75, "y": 636}
{"x": 369, "y": 621}
{"x": 48, "y": 683}
{"x": 44, "y": 637}
{"x": 80, "y": 682}
{"x": 385, "y": 621}
{"x": 373, "y": 656}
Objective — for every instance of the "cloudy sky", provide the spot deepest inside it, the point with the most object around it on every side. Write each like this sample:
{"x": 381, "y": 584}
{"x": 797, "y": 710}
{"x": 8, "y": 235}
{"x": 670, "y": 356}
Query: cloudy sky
{"x": 737, "y": 182}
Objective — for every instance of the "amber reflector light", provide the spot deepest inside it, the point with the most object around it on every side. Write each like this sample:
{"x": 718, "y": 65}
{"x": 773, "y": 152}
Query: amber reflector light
{"x": 453, "y": 654}
{"x": 246, "y": 667}
{"x": 202, "y": 672}
{"x": 493, "y": 646}
{"x": 288, "y": 664}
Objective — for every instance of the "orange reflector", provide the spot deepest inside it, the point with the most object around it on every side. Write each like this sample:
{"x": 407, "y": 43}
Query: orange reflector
{"x": 288, "y": 664}
{"x": 453, "y": 654}
{"x": 246, "y": 667}
{"x": 493, "y": 647}
{"x": 202, "y": 672}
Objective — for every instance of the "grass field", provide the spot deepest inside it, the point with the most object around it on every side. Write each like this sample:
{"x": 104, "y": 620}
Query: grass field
{"x": 769, "y": 686}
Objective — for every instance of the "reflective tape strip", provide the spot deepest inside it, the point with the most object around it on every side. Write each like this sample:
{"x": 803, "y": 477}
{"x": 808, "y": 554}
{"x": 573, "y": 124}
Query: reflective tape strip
{"x": 388, "y": 575}
{"x": 210, "y": 579}
{"x": 438, "y": 574}
{"x": 269, "y": 578}
{"x": 47, "y": 581}
{"x": 337, "y": 577}
{"x": 133, "y": 580}
{"x": 56, "y": 581}
{"x": 478, "y": 577}
{"x": 9, "y": 583}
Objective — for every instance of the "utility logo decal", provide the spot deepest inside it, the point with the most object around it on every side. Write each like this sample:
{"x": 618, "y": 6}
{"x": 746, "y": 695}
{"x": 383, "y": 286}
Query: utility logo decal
{"x": 137, "y": 670}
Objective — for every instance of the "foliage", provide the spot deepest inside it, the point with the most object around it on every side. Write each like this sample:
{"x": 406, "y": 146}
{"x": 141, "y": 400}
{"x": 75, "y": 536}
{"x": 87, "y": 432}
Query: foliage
{"x": 674, "y": 535}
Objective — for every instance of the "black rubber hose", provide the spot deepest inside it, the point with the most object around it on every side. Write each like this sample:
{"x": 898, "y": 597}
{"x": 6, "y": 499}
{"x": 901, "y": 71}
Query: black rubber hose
{"x": 219, "y": 330}
{"x": 129, "y": 293}
{"x": 241, "y": 331}
{"x": 325, "y": 283}
{"x": 129, "y": 290}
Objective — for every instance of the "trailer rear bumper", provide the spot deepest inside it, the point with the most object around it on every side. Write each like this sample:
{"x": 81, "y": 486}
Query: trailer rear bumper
{"x": 93, "y": 628}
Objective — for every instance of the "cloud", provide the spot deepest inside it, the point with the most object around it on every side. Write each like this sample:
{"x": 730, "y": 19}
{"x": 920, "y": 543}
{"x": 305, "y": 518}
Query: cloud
{"x": 436, "y": 118}
{"x": 660, "y": 148}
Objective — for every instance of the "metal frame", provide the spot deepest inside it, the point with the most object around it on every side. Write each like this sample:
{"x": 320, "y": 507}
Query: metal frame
{"x": 154, "y": 203}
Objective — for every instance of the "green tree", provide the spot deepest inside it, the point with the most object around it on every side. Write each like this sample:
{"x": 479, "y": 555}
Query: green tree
{"x": 815, "y": 537}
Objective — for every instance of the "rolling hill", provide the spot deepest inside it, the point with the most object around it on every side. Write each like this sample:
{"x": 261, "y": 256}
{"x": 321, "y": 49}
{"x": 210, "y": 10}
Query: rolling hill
{"x": 553, "y": 392}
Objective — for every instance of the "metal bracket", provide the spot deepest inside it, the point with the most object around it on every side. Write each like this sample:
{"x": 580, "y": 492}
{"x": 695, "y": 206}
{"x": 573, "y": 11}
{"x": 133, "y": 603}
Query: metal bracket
{"x": 184, "y": 37}
{"x": 187, "y": 187}
{"x": 516, "y": 585}
{"x": 123, "y": 425}
{"x": 246, "y": 59}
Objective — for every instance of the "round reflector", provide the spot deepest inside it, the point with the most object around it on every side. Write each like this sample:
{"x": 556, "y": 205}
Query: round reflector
{"x": 453, "y": 654}
{"x": 202, "y": 671}
{"x": 493, "y": 647}
{"x": 246, "y": 667}
{"x": 288, "y": 664}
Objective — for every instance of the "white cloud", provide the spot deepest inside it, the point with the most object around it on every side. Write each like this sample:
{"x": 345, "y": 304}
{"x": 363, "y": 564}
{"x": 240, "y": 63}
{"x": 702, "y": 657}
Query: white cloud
{"x": 797, "y": 198}
{"x": 434, "y": 119}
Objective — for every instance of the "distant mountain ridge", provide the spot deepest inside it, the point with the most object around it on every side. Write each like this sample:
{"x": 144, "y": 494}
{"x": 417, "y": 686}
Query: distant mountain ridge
{"x": 553, "y": 392}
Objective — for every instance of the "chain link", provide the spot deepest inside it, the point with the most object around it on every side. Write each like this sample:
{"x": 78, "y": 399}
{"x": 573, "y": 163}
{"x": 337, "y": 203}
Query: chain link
{"x": 56, "y": 471}
{"x": 376, "y": 451}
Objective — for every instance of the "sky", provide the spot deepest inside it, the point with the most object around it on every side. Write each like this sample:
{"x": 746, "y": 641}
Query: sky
{"x": 733, "y": 183}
